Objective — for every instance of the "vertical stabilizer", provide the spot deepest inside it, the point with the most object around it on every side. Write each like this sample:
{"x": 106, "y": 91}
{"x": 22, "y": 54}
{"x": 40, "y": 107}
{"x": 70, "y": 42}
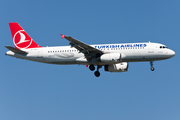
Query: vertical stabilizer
{"x": 20, "y": 38}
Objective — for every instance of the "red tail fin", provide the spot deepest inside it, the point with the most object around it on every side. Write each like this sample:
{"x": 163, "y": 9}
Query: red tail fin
{"x": 20, "y": 38}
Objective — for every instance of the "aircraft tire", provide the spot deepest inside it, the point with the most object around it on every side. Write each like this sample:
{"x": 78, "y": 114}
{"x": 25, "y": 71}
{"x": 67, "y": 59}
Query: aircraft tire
{"x": 97, "y": 73}
{"x": 91, "y": 67}
{"x": 152, "y": 68}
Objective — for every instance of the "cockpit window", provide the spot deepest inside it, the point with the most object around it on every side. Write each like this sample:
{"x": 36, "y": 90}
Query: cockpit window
{"x": 163, "y": 47}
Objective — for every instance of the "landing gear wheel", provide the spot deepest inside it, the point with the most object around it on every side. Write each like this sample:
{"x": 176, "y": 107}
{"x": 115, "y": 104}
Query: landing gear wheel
{"x": 152, "y": 68}
{"x": 151, "y": 63}
{"x": 97, "y": 73}
{"x": 91, "y": 67}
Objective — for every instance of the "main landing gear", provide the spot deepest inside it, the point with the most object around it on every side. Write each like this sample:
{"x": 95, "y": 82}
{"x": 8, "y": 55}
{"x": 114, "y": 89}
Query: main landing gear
{"x": 152, "y": 68}
{"x": 92, "y": 68}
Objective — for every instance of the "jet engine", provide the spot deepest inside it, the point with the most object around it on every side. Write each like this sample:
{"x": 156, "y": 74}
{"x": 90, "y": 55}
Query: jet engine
{"x": 120, "y": 67}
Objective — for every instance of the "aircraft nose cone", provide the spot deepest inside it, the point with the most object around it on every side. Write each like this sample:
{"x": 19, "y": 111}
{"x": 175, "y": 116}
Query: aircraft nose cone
{"x": 172, "y": 53}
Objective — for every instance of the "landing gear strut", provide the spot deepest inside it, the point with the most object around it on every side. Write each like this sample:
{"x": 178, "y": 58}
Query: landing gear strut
{"x": 152, "y": 68}
{"x": 97, "y": 73}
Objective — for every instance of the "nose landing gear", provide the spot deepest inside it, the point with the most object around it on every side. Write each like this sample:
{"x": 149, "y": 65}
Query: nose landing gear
{"x": 151, "y": 63}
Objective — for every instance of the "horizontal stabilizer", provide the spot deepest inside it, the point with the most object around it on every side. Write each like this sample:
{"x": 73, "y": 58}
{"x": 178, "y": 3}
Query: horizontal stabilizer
{"x": 15, "y": 50}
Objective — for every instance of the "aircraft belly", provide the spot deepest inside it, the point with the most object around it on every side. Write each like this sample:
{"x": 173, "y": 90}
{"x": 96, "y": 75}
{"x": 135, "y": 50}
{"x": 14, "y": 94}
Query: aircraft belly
{"x": 62, "y": 58}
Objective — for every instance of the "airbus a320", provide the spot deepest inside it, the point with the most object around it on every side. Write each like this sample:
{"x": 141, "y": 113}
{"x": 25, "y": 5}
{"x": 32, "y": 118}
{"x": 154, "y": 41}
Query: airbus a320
{"x": 114, "y": 57}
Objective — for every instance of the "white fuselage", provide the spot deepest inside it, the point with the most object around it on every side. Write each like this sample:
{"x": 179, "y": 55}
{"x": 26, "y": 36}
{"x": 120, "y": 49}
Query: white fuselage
{"x": 132, "y": 52}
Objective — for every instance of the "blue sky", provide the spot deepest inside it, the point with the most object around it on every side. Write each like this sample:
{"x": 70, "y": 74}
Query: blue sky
{"x": 33, "y": 91}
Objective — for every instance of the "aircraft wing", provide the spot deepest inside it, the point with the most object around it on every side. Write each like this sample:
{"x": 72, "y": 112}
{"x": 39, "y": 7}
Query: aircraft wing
{"x": 87, "y": 50}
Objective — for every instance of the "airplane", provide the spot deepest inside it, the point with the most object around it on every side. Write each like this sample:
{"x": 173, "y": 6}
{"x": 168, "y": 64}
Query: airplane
{"x": 114, "y": 57}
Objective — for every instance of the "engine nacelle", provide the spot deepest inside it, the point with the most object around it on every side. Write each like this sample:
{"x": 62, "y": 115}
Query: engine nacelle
{"x": 110, "y": 57}
{"x": 120, "y": 67}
